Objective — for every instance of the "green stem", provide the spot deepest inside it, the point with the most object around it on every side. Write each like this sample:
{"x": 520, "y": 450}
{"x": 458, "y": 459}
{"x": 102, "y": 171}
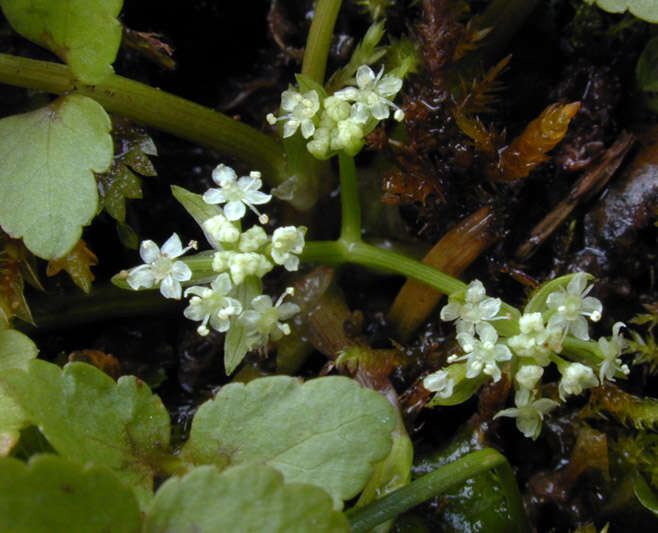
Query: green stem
{"x": 350, "y": 228}
{"x": 365, "y": 518}
{"x": 319, "y": 39}
{"x": 156, "y": 108}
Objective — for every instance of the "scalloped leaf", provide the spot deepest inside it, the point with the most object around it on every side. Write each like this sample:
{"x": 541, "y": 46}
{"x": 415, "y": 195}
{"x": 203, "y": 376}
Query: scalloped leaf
{"x": 251, "y": 498}
{"x": 16, "y": 350}
{"x": 88, "y": 417}
{"x": 327, "y": 432}
{"x": 47, "y": 189}
{"x": 644, "y": 9}
{"x": 51, "y": 494}
{"x": 84, "y": 33}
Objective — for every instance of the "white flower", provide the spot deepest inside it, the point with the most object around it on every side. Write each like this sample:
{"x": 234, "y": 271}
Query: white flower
{"x": 160, "y": 267}
{"x": 221, "y": 260}
{"x": 576, "y": 378}
{"x": 572, "y": 305}
{"x": 371, "y": 97}
{"x": 347, "y": 136}
{"x": 221, "y": 229}
{"x": 286, "y": 242}
{"x": 611, "y": 350}
{"x": 535, "y": 340}
{"x": 212, "y": 305}
{"x": 475, "y": 308}
{"x": 483, "y": 353}
{"x": 237, "y": 194}
{"x": 440, "y": 382}
{"x": 242, "y": 265}
{"x": 253, "y": 239}
{"x": 529, "y": 414}
{"x": 264, "y": 320}
{"x": 301, "y": 110}
{"x": 528, "y": 376}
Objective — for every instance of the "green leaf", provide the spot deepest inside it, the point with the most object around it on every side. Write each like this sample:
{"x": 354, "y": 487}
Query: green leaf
{"x": 252, "y": 498}
{"x": 115, "y": 186}
{"x": 644, "y": 9}
{"x": 47, "y": 189}
{"x": 16, "y": 350}
{"x": 646, "y": 70}
{"x": 88, "y": 417}
{"x": 200, "y": 211}
{"x": 53, "y": 495}
{"x": 644, "y": 493}
{"x": 84, "y": 33}
{"x": 327, "y": 432}
{"x": 237, "y": 342}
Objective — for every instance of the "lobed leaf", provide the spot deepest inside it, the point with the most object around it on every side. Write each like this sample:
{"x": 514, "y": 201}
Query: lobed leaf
{"x": 77, "y": 263}
{"x": 84, "y": 33}
{"x": 327, "y": 432}
{"x": 47, "y": 189}
{"x": 251, "y": 498}
{"x": 644, "y": 9}
{"x": 88, "y": 417}
{"x": 53, "y": 495}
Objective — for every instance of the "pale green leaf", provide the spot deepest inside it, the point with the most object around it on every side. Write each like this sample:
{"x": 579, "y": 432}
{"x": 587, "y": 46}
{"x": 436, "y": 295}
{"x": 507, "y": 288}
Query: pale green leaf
{"x": 200, "y": 211}
{"x": 646, "y": 70}
{"x": 47, "y": 188}
{"x": 16, "y": 350}
{"x": 84, "y": 33}
{"x": 237, "y": 342}
{"x": 644, "y": 9}
{"x": 88, "y": 417}
{"x": 248, "y": 499}
{"x": 53, "y": 495}
{"x": 327, "y": 432}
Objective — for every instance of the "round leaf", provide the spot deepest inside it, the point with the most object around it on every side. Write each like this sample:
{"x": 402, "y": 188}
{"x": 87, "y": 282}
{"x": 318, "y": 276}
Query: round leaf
{"x": 245, "y": 499}
{"x": 47, "y": 189}
{"x": 327, "y": 432}
{"x": 53, "y": 495}
{"x": 84, "y": 33}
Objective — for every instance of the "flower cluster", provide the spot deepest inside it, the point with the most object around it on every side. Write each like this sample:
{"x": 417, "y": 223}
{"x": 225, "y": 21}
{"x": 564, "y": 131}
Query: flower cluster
{"x": 556, "y": 311}
{"x": 233, "y": 299}
{"x": 340, "y": 122}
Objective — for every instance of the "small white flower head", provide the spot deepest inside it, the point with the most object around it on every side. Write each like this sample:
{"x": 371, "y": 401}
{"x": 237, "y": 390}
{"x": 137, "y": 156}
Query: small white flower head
{"x": 372, "y": 95}
{"x": 221, "y": 260}
{"x": 242, "y": 265}
{"x": 253, "y": 239}
{"x": 221, "y": 229}
{"x": 301, "y": 108}
{"x": 528, "y": 376}
{"x": 529, "y": 413}
{"x": 572, "y": 305}
{"x": 286, "y": 242}
{"x": 611, "y": 350}
{"x": 473, "y": 308}
{"x": 266, "y": 320}
{"x": 160, "y": 267}
{"x": 347, "y": 136}
{"x": 319, "y": 145}
{"x": 212, "y": 305}
{"x": 440, "y": 382}
{"x": 336, "y": 108}
{"x": 237, "y": 194}
{"x": 575, "y": 379}
{"x": 535, "y": 340}
{"x": 482, "y": 354}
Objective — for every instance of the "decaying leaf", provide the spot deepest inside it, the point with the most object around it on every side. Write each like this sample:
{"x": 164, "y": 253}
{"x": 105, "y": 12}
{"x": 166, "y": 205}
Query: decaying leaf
{"x": 16, "y": 266}
{"x": 77, "y": 263}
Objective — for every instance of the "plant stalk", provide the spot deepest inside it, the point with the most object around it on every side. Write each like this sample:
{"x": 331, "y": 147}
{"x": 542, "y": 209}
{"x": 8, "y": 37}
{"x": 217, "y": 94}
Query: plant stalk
{"x": 350, "y": 228}
{"x": 158, "y": 109}
{"x": 365, "y": 518}
{"x": 318, "y": 42}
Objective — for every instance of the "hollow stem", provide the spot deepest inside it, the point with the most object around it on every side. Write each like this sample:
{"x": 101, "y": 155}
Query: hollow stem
{"x": 365, "y": 518}
{"x": 158, "y": 109}
{"x": 350, "y": 228}
{"x": 319, "y": 39}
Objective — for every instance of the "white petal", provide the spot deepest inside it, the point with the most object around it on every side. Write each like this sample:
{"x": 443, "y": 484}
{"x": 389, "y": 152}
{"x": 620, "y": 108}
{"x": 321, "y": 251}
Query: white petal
{"x": 222, "y": 283}
{"x": 214, "y": 196}
{"x": 234, "y": 210}
{"x": 389, "y": 85}
{"x": 290, "y": 127}
{"x": 149, "y": 251}
{"x": 170, "y": 288}
{"x": 578, "y": 329}
{"x": 380, "y": 110}
{"x": 348, "y": 93}
{"x": 360, "y": 113}
{"x": 141, "y": 276}
{"x": 173, "y": 247}
{"x": 180, "y": 271}
{"x": 258, "y": 197}
{"x": 308, "y": 128}
{"x": 364, "y": 76}
{"x": 223, "y": 174}
{"x": 289, "y": 99}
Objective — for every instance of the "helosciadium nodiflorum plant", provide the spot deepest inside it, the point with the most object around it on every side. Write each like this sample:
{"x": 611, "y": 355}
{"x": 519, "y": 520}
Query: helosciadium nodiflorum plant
{"x": 231, "y": 299}
{"x": 339, "y": 122}
{"x": 553, "y": 329}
